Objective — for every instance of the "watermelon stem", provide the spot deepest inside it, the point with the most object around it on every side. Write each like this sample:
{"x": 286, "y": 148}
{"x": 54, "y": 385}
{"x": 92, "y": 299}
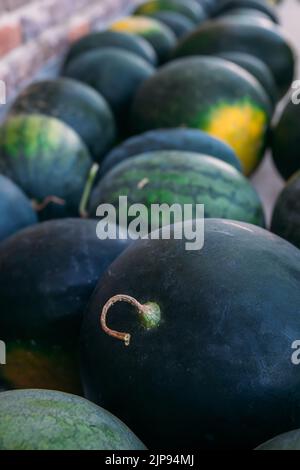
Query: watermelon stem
{"x": 83, "y": 212}
{"x": 149, "y": 314}
{"x": 39, "y": 206}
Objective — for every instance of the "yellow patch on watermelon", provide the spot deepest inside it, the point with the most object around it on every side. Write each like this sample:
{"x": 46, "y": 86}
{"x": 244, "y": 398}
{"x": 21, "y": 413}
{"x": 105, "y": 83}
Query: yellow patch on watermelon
{"x": 243, "y": 127}
{"x": 134, "y": 24}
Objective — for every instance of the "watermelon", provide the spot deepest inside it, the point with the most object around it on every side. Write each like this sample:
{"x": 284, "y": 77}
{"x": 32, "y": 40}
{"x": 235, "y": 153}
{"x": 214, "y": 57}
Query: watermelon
{"x": 286, "y": 215}
{"x": 211, "y": 94}
{"x": 213, "y": 369}
{"x": 257, "y": 68}
{"x": 46, "y": 158}
{"x": 287, "y": 441}
{"x": 77, "y": 105}
{"x": 180, "y": 177}
{"x": 189, "y": 8}
{"x": 103, "y": 68}
{"x": 178, "y": 23}
{"x": 245, "y": 13}
{"x": 254, "y": 36}
{"x": 47, "y": 274}
{"x": 189, "y": 140}
{"x": 257, "y": 6}
{"x": 160, "y": 36}
{"x": 98, "y": 39}
{"x": 46, "y": 420}
{"x": 16, "y": 211}
{"x": 286, "y": 139}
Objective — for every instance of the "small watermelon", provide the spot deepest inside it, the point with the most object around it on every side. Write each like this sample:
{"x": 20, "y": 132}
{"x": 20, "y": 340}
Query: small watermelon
{"x": 287, "y": 441}
{"x": 179, "y": 24}
{"x": 230, "y": 6}
{"x": 189, "y": 8}
{"x": 157, "y": 33}
{"x": 46, "y": 158}
{"x": 211, "y": 94}
{"x": 189, "y": 140}
{"x": 50, "y": 420}
{"x": 16, "y": 211}
{"x": 172, "y": 177}
{"x": 286, "y": 215}
{"x": 77, "y": 105}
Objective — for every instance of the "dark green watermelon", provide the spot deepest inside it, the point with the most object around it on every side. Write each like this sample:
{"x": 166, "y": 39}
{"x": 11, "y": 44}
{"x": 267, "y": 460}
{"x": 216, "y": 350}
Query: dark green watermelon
{"x": 258, "y": 37}
{"x": 178, "y": 23}
{"x": 46, "y": 158}
{"x": 229, "y": 6}
{"x": 214, "y": 369}
{"x": 286, "y": 215}
{"x": 77, "y": 105}
{"x": 188, "y": 140}
{"x": 172, "y": 177}
{"x": 160, "y": 36}
{"x": 211, "y": 94}
{"x": 99, "y": 39}
{"x": 286, "y": 139}
{"x": 46, "y": 420}
{"x": 245, "y": 13}
{"x": 16, "y": 211}
{"x": 287, "y": 441}
{"x": 113, "y": 72}
{"x": 257, "y": 68}
{"x": 47, "y": 274}
{"x": 189, "y": 8}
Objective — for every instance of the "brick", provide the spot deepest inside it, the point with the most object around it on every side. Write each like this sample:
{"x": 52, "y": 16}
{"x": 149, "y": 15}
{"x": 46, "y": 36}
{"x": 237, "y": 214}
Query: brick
{"x": 10, "y": 35}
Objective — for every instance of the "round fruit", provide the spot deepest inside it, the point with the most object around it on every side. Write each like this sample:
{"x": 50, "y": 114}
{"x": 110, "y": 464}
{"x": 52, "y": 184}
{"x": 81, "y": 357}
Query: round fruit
{"x": 229, "y": 6}
{"x": 47, "y": 274}
{"x": 253, "y": 36}
{"x": 99, "y": 39}
{"x": 286, "y": 139}
{"x": 287, "y": 441}
{"x": 157, "y": 33}
{"x": 50, "y": 420}
{"x": 286, "y": 215}
{"x": 211, "y": 94}
{"x": 188, "y": 140}
{"x": 46, "y": 158}
{"x": 172, "y": 177}
{"x": 77, "y": 105}
{"x": 189, "y": 8}
{"x": 179, "y": 24}
{"x": 114, "y": 73}
{"x": 16, "y": 211}
{"x": 209, "y": 361}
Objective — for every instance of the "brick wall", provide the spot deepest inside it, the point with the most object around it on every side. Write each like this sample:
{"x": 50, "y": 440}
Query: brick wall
{"x": 32, "y": 32}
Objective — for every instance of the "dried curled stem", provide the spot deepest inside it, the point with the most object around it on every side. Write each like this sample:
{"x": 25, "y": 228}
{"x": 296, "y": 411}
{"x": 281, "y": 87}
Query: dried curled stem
{"x": 39, "y": 206}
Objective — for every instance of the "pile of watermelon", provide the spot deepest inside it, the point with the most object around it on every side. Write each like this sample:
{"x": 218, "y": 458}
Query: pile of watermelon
{"x": 173, "y": 105}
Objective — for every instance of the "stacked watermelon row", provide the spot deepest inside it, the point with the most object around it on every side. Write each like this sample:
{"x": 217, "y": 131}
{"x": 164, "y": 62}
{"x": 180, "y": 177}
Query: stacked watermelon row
{"x": 171, "y": 105}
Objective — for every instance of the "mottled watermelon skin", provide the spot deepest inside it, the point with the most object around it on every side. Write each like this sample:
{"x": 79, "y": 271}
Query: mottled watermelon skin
{"x": 126, "y": 41}
{"x": 188, "y": 140}
{"x": 76, "y": 104}
{"x": 184, "y": 178}
{"x": 114, "y": 73}
{"x": 51, "y": 420}
{"x": 258, "y": 37}
{"x": 16, "y": 210}
{"x": 186, "y": 93}
{"x": 189, "y": 8}
{"x": 42, "y": 306}
{"x": 286, "y": 215}
{"x": 179, "y": 24}
{"x": 45, "y": 157}
{"x": 230, "y": 6}
{"x": 160, "y": 36}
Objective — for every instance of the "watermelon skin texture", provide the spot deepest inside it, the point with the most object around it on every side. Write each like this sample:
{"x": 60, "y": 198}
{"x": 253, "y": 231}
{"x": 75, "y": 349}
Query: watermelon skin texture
{"x": 237, "y": 298}
{"x": 129, "y": 42}
{"x": 183, "y": 178}
{"x": 230, "y": 6}
{"x": 188, "y": 140}
{"x": 103, "y": 69}
{"x": 77, "y": 105}
{"x": 186, "y": 93}
{"x": 286, "y": 215}
{"x": 16, "y": 211}
{"x": 258, "y": 37}
{"x": 179, "y": 24}
{"x": 46, "y": 420}
{"x": 42, "y": 306}
{"x": 45, "y": 157}
{"x": 287, "y": 441}
{"x": 286, "y": 141}
{"x": 190, "y": 8}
